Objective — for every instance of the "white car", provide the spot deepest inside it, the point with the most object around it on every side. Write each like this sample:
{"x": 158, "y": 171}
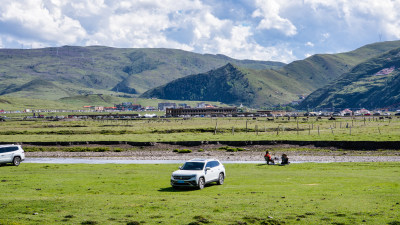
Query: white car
{"x": 198, "y": 173}
{"x": 11, "y": 154}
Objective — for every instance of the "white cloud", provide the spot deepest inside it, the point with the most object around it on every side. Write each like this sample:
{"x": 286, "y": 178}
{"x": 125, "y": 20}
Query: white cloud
{"x": 307, "y": 55}
{"x": 240, "y": 45}
{"x": 361, "y": 16}
{"x": 260, "y": 29}
{"x": 309, "y": 44}
{"x": 269, "y": 11}
{"x": 32, "y": 19}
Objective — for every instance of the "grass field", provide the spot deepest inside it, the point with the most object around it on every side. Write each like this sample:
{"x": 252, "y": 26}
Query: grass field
{"x": 334, "y": 193}
{"x": 202, "y": 129}
{"x": 9, "y": 103}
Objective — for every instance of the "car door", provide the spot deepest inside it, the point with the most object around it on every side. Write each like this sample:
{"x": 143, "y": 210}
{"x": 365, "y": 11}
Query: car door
{"x": 3, "y": 154}
{"x": 209, "y": 172}
{"x": 216, "y": 169}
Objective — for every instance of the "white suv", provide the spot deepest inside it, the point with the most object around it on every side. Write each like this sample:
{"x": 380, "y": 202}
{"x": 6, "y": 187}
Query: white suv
{"x": 198, "y": 172}
{"x": 11, "y": 154}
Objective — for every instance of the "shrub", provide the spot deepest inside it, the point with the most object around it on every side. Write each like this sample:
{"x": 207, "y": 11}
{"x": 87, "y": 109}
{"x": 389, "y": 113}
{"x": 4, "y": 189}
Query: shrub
{"x": 182, "y": 150}
{"x": 185, "y": 151}
{"x": 230, "y": 149}
{"x": 118, "y": 150}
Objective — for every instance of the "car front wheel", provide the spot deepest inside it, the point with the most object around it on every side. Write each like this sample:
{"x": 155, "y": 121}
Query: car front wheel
{"x": 221, "y": 178}
{"x": 201, "y": 183}
{"x": 16, "y": 161}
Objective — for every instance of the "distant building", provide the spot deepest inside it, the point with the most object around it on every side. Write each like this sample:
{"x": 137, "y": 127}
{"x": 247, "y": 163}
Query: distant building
{"x": 183, "y": 105}
{"x": 128, "y": 106}
{"x": 201, "y": 105}
{"x": 362, "y": 112}
{"x": 99, "y": 108}
{"x": 346, "y": 112}
{"x": 201, "y": 111}
{"x": 166, "y": 105}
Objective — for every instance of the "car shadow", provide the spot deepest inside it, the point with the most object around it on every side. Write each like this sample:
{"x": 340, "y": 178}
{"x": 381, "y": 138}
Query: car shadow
{"x": 180, "y": 189}
{"x": 184, "y": 189}
{"x": 1, "y": 165}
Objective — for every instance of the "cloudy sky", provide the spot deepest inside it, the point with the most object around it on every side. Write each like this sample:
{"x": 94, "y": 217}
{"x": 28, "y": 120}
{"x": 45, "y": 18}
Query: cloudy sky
{"x": 280, "y": 30}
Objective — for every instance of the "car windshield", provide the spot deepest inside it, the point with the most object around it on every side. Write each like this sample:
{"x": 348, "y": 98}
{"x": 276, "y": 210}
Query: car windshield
{"x": 193, "y": 166}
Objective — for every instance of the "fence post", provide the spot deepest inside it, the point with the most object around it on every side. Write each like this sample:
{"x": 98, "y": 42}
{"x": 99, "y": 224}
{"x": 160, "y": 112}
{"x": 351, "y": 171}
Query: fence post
{"x": 256, "y": 127}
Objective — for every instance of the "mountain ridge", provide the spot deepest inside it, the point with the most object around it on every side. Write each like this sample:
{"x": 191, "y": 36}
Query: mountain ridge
{"x": 283, "y": 85}
{"x": 98, "y": 69}
{"x": 372, "y": 84}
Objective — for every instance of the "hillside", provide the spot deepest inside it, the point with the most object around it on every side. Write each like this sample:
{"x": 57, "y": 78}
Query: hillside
{"x": 268, "y": 87}
{"x": 52, "y": 73}
{"x": 372, "y": 84}
{"x": 229, "y": 84}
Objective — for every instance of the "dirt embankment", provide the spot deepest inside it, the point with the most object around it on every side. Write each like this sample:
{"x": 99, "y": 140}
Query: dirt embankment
{"x": 159, "y": 151}
{"x": 350, "y": 145}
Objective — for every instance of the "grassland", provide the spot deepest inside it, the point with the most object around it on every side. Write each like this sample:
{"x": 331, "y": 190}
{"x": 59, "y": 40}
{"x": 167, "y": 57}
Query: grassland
{"x": 77, "y": 102}
{"x": 201, "y": 129}
{"x": 334, "y": 193}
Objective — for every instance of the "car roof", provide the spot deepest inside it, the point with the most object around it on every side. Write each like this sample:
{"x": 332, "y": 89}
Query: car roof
{"x": 11, "y": 145}
{"x": 202, "y": 160}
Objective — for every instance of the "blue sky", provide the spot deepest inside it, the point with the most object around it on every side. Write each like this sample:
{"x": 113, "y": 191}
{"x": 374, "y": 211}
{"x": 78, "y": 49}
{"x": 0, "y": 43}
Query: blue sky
{"x": 279, "y": 30}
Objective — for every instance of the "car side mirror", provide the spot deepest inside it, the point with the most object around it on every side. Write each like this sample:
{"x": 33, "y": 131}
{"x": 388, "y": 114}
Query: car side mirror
{"x": 180, "y": 167}
{"x": 208, "y": 168}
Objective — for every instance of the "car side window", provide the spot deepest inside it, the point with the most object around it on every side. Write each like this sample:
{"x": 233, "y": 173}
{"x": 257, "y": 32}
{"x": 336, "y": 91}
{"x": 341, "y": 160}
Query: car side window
{"x": 8, "y": 149}
{"x": 209, "y": 164}
{"x": 216, "y": 163}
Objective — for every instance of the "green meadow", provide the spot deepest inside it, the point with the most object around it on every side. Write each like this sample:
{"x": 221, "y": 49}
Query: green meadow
{"x": 308, "y": 193}
{"x": 202, "y": 129}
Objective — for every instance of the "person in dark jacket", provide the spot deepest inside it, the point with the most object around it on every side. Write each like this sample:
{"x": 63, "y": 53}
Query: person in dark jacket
{"x": 285, "y": 160}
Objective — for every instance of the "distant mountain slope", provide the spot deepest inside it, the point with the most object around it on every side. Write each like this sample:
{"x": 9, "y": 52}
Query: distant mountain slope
{"x": 318, "y": 70}
{"x": 229, "y": 84}
{"x": 269, "y": 86}
{"x": 97, "y": 69}
{"x": 372, "y": 84}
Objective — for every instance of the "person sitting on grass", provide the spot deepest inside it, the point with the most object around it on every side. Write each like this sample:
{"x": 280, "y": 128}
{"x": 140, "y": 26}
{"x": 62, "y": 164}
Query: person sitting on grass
{"x": 268, "y": 158}
{"x": 285, "y": 160}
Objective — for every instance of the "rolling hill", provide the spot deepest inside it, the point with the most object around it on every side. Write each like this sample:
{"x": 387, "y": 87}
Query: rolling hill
{"x": 53, "y": 73}
{"x": 268, "y": 87}
{"x": 372, "y": 84}
{"x": 229, "y": 84}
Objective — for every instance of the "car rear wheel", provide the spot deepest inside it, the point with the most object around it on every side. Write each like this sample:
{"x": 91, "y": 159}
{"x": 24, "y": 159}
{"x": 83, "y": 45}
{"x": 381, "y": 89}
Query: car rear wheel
{"x": 201, "y": 183}
{"x": 16, "y": 161}
{"x": 221, "y": 178}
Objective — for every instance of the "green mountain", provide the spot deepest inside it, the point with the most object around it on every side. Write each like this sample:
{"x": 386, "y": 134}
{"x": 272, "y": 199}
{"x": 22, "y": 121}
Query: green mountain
{"x": 372, "y": 84}
{"x": 268, "y": 87}
{"x": 52, "y": 73}
{"x": 229, "y": 84}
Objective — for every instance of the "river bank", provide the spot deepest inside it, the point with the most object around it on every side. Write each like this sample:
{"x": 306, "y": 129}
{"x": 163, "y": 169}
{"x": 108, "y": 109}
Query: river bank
{"x": 250, "y": 153}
